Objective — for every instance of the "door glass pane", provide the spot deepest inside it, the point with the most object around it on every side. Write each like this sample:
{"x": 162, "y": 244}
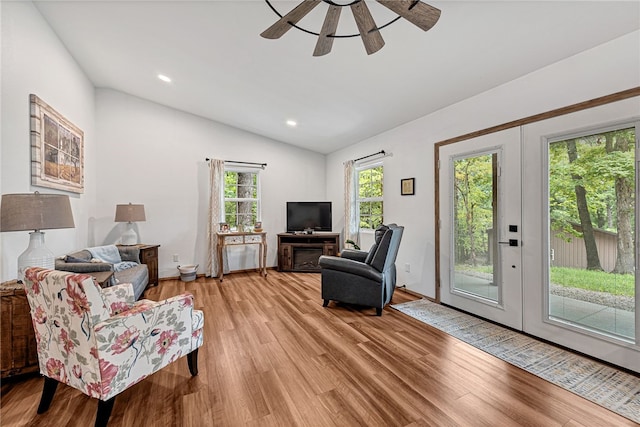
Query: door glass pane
{"x": 592, "y": 232}
{"x": 475, "y": 224}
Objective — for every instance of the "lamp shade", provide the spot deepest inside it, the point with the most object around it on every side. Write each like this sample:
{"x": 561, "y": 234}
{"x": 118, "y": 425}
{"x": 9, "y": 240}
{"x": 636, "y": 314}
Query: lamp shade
{"x": 130, "y": 213}
{"x": 35, "y": 211}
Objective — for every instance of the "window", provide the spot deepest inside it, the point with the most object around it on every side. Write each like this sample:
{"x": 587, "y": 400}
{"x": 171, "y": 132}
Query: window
{"x": 241, "y": 199}
{"x": 592, "y": 228}
{"x": 369, "y": 199}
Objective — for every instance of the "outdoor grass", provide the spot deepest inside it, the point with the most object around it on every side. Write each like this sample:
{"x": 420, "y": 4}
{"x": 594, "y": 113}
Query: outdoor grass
{"x": 599, "y": 281}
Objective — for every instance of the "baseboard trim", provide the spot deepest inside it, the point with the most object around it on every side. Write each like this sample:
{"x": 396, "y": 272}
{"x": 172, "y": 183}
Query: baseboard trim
{"x": 199, "y": 276}
{"x": 414, "y": 293}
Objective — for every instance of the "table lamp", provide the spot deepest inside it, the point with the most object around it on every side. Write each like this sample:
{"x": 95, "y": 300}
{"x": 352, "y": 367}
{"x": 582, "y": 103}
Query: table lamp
{"x": 129, "y": 214}
{"x": 35, "y": 211}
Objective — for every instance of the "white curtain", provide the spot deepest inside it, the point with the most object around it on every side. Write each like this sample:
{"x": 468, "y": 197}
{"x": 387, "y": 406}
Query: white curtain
{"x": 216, "y": 209}
{"x": 351, "y": 221}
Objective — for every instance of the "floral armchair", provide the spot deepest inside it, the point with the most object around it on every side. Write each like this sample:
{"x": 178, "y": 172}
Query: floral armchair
{"x": 101, "y": 341}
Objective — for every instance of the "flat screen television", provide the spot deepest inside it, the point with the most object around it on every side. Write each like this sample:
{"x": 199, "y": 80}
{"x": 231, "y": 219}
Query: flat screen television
{"x": 303, "y": 216}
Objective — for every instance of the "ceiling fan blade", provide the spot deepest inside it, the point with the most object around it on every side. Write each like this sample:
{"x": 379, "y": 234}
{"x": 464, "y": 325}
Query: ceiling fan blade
{"x": 325, "y": 41}
{"x": 369, "y": 32}
{"x": 285, "y": 23}
{"x": 418, "y": 13}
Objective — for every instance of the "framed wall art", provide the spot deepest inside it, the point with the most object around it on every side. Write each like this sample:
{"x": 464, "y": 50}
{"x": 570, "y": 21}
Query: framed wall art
{"x": 57, "y": 149}
{"x": 407, "y": 186}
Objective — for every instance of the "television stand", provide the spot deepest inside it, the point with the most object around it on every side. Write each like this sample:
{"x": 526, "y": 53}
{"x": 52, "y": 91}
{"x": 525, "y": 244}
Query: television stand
{"x": 300, "y": 252}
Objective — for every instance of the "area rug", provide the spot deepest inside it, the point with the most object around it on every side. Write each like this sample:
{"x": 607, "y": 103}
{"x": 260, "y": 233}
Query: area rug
{"x": 611, "y": 388}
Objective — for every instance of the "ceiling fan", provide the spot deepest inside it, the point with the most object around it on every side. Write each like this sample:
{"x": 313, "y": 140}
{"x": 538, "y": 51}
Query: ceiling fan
{"x": 418, "y": 13}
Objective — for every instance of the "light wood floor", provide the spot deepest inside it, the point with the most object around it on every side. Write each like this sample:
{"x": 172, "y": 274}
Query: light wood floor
{"x": 273, "y": 356}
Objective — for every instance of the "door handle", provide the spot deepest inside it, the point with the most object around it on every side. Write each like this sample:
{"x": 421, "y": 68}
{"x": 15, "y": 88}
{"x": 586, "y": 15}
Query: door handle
{"x": 511, "y": 242}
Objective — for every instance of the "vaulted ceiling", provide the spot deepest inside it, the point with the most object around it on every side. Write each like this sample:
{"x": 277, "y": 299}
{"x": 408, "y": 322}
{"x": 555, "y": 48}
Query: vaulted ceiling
{"x": 221, "y": 68}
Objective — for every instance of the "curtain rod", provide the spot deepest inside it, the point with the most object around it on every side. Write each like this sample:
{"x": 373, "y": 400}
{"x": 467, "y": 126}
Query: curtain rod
{"x": 262, "y": 165}
{"x": 370, "y": 155}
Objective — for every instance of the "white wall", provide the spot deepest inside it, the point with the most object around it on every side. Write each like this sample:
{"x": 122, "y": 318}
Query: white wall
{"x": 34, "y": 61}
{"x": 139, "y": 152}
{"x": 155, "y": 155}
{"x": 606, "y": 69}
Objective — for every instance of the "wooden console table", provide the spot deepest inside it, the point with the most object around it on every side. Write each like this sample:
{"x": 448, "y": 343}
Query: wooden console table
{"x": 243, "y": 238}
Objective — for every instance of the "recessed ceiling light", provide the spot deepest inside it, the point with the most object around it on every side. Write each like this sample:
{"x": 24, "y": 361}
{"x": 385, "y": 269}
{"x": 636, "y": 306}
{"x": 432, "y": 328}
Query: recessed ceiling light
{"x": 164, "y": 78}
{"x": 292, "y": 123}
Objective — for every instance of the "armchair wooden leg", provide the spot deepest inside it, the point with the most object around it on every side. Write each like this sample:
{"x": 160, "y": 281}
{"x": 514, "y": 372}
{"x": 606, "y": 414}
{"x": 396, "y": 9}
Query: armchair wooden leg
{"x": 48, "y": 390}
{"x": 192, "y": 360}
{"x": 104, "y": 412}
{"x": 325, "y": 303}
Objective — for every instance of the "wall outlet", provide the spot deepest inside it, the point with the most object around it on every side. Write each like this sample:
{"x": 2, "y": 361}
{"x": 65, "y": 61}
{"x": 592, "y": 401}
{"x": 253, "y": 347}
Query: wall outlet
{"x": 407, "y": 267}
{"x": 176, "y": 258}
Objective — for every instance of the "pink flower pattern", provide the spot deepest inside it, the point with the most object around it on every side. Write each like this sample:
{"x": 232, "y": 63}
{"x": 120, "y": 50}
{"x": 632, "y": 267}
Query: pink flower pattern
{"x": 166, "y": 340}
{"x": 125, "y": 340}
{"x": 94, "y": 389}
{"x": 138, "y": 308}
{"x": 40, "y": 316}
{"x": 119, "y": 307}
{"x": 108, "y": 372}
{"x": 68, "y": 344}
{"x": 56, "y": 370}
{"x": 77, "y": 299}
{"x": 100, "y": 345}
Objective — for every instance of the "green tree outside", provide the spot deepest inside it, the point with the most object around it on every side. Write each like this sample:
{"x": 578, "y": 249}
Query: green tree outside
{"x": 241, "y": 199}
{"x": 370, "y": 192}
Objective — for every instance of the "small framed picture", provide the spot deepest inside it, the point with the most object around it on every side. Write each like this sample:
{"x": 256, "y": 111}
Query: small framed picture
{"x": 407, "y": 186}
{"x": 224, "y": 227}
{"x": 257, "y": 225}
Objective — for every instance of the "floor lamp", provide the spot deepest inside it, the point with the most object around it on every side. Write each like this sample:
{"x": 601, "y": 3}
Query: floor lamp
{"x": 35, "y": 211}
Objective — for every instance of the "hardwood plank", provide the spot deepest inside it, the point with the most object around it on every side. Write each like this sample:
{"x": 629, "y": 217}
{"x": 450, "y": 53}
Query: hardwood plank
{"x": 273, "y": 356}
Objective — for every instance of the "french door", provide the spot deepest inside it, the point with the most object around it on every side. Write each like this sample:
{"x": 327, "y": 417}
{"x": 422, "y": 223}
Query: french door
{"x": 538, "y": 229}
{"x": 480, "y": 227}
{"x": 580, "y": 227}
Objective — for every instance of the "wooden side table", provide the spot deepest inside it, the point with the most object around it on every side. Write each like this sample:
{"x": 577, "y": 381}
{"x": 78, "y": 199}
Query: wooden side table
{"x": 103, "y": 278}
{"x": 149, "y": 256}
{"x": 18, "y": 354}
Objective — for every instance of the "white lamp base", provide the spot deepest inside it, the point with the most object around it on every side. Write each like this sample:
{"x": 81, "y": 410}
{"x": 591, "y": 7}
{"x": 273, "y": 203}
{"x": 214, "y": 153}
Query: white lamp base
{"x": 36, "y": 255}
{"x": 129, "y": 237}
